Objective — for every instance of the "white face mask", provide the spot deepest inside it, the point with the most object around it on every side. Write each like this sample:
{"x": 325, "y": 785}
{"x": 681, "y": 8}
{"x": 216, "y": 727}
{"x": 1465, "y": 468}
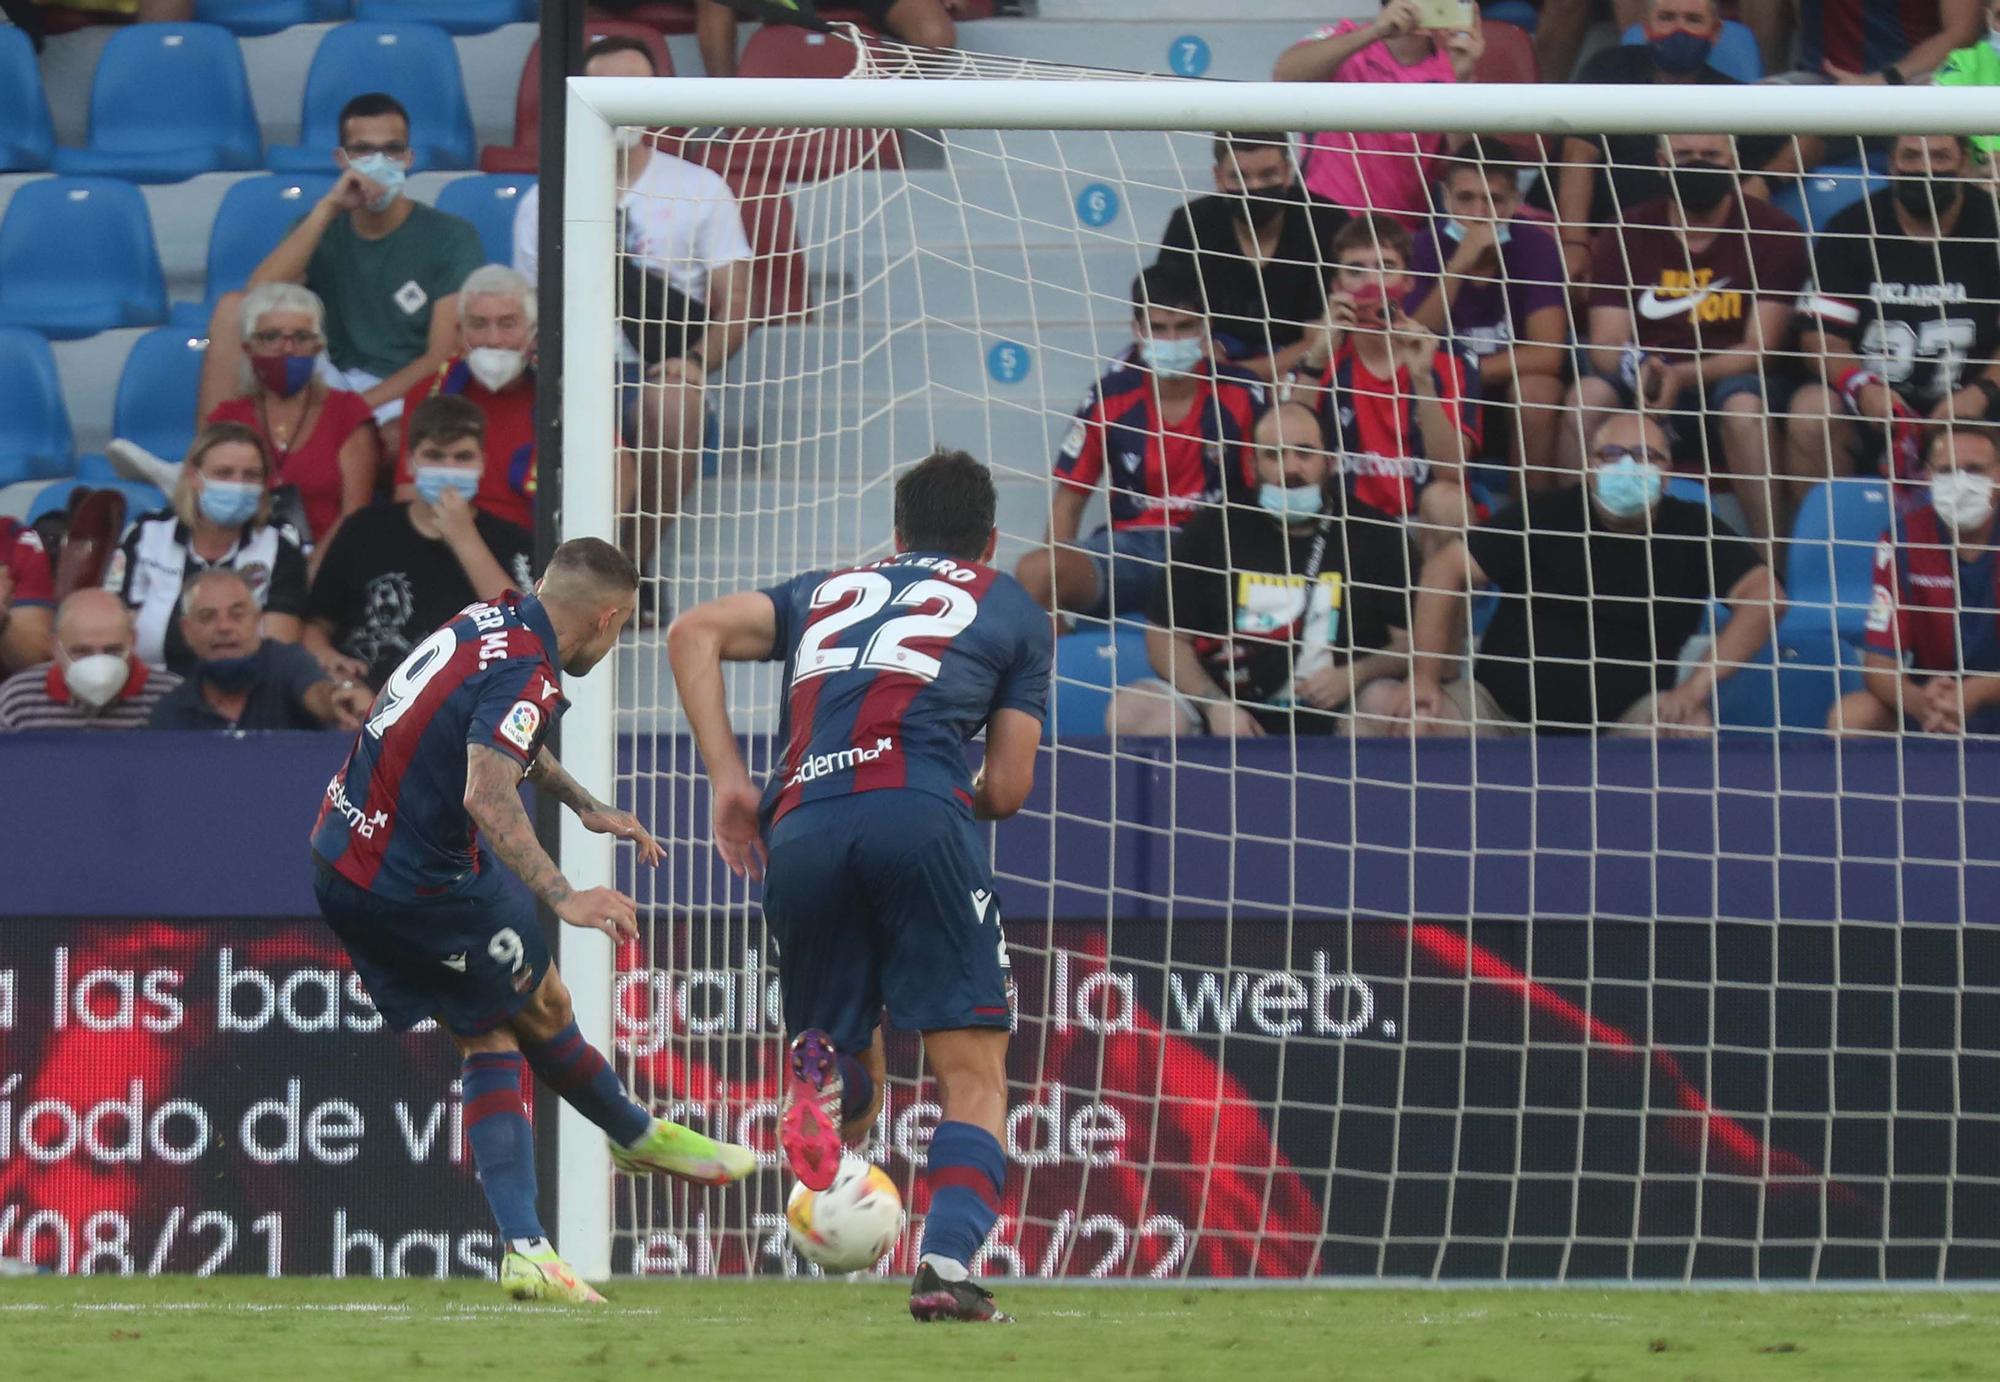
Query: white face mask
{"x": 97, "y": 678}
{"x": 1179, "y": 356}
{"x": 1963, "y": 500}
{"x": 495, "y": 367}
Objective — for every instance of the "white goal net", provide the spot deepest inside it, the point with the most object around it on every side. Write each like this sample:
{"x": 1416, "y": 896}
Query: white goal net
{"x": 1595, "y": 997}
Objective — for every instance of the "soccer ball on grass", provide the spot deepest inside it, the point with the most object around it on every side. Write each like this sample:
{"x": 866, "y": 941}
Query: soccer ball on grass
{"x": 848, "y": 1226}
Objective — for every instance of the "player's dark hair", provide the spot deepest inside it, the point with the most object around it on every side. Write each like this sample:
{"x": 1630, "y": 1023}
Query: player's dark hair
{"x": 1239, "y": 142}
{"x": 371, "y": 103}
{"x": 444, "y": 419}
{"x": 1483, "y": 155}
{"x": 620, "y": 43}
{"x": 593, "y": 562}
{"x": 945, "y": 503}
{"x": 1374, "y": 231}
{"x": 1169, "y": 286}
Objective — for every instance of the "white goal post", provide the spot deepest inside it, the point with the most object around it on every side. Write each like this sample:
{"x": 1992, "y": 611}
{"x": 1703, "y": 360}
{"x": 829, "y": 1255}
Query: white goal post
{"x": 596, "y": 107}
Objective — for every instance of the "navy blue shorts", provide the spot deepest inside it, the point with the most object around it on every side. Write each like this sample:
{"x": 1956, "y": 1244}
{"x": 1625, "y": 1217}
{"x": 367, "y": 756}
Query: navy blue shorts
{"x": 470, "y": 958}
{"x": 884, "y": 899}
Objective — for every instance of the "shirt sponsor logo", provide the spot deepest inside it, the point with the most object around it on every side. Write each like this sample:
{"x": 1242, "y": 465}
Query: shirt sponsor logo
{"x": 519, "y": 727}
{"x": 411, "y": 297}
{"x": 358, "y": 821}
{"x": 1395, "y": 467}
{"x": 1918, "y": 294}
{"x": 1699, "y": 293}
{"x": 826, "y": 764}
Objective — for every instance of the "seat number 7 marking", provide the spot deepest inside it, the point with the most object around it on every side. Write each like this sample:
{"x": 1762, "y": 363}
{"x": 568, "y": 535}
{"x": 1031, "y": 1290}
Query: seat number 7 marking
{"x": 867, "y": 593}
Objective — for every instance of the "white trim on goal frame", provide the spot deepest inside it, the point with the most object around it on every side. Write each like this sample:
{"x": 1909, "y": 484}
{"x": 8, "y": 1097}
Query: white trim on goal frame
{"x": 598, "y": 104}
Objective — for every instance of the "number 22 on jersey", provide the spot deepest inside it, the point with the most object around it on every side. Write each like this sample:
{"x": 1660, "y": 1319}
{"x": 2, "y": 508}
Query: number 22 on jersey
{"x": 943, "y": 611}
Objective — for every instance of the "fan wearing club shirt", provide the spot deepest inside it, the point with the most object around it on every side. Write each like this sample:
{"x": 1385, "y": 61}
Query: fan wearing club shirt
{"x": 878, "y": 892}
{"x": 27, "y": 598}
{"x": 1392, "y": 401}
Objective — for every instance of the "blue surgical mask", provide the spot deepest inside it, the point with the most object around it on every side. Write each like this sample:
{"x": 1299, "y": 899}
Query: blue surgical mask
{"x": 1291, "y": 502}
{"x": 1993, "y": 38}
{"x": 1455, "y": 232}
{"x": 1172, "y": 357}
{"x": 1627, "y": 487}
{"x": 230, "y": 503}
{"x": 434, "y": 480}
{"x": 386, "y": 173}
{"x": 229, "y": 674}
{"x": 1681, "y": 52}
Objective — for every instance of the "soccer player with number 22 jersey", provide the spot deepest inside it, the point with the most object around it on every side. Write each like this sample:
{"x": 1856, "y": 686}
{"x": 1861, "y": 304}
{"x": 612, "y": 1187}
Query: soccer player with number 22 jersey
{"x": 876, "y": 886}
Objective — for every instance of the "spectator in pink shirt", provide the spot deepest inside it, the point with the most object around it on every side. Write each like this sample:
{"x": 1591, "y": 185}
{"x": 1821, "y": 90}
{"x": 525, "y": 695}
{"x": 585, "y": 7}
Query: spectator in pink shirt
{"x": 1379, "y": 171}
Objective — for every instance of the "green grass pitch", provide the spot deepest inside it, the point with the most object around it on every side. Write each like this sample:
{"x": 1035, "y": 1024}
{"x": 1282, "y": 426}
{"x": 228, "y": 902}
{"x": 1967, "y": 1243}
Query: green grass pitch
{"x": 372, "y": 1331}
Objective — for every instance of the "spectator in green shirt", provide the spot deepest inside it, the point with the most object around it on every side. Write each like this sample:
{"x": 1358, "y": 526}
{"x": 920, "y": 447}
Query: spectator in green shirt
{"x": 1978, "y": 65}
{"x": 388, "y": 269}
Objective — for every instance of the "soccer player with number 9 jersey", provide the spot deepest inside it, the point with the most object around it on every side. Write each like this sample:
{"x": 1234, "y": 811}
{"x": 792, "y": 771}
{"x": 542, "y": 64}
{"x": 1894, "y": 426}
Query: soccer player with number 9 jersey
{"x": 876, "y": 886}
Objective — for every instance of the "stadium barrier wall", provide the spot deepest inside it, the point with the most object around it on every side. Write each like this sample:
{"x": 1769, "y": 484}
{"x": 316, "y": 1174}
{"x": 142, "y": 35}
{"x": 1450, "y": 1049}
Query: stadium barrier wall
{"x": 1332, "y": 1049}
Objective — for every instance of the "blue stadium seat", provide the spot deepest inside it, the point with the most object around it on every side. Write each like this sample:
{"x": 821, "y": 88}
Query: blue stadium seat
{"x": 1735, "y": 51}
{"x": 168, "y": 101}
{"x": 1830, "y": 572}
{"x": 415, "y": 63}
{"x": 453, "y": 16}
{"x": 489, "y": 201}
{"x": 139, "y": 498}
{"x": 1520, "y": 13}
{"x": 27, "y": 135}
{"x": 254, "y": 18}
{"x": 77, "y": 257}
{"x": 1088, "y": 665}
{"x": 254, "y": 216}
{"x": 156, "y": 393}
{"x": 1824, "y": 193}
{"x": 35, "y": 438}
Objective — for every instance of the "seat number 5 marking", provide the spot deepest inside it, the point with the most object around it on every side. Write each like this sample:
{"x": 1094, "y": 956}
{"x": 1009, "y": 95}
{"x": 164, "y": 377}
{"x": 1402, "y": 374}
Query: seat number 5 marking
{"x": 412, "y": 674}
{"x": 886, "y": 650}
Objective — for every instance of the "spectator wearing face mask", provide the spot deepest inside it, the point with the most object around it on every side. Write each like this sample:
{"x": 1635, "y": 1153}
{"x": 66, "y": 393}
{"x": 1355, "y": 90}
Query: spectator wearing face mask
{"x": 494, "y": 371}
{"x": 27, "y": 597}
{"x": 399, "y": 570}
{"x": 388, "y": 269}
{"x": 1384, "y": 172}
{"x": 1167, "y": 430}
{"x": 1601, "y": 586}
{"x": 95, "y": 680}
{"x": 1261, "y": 248}
{"x": 242, "y": 680}
{"x": 221, "y": 515}
{"x": 321, "y": 436}
{"x": 1604, "y": 176}
{"x": 1903, "y": 319}
{"x": 1978, "y": 64}
{"x": 1687, "y": 297}
{"x": 1932, "y": 660}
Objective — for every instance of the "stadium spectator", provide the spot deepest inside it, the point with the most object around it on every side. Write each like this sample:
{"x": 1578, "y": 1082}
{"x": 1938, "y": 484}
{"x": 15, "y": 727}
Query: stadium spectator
{"x": 494, "y": 371}
{"x": 242, "y": 680}
{"x": 1861, "y": 42}
{"x": 1379, "y": 171}
{"x": 1602, "y": 176}
{"x": 1276, "y": 618}
{"x": 221, "y": 515}
{"x": 1170, "y": 428}
{"x": 1493, "y": 287}
{"x": 685, "y": 292}
{"x": 399, "y": 570}
{"x": 1903, "y": 318}
{"x": 1392, "y": 401}
{"x": 1978, "y": 64}
{"x": 321, "y": 436}
{"x": 387, "y": 267}
{"x": 926, "y": 23}
{"x": 27, "y": 597}
{"x": 1562, "y": 25}
{"x": 1932, "y": 661}
{"x": 1262, "y": 249}
{"x": 1686, "y": 296}
{"x": 1601, "y": 586}
{"x": 96, "y": 680}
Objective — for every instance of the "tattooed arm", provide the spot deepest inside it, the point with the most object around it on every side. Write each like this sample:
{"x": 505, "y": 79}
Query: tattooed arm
{"x": 493, "y": 800}
{"x": 549, "y": 776}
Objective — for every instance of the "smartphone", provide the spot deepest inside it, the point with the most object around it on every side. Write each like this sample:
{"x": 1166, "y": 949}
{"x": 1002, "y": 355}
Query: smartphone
{"x": 1371, "y": 304}
{"x": 1444, "y": 14}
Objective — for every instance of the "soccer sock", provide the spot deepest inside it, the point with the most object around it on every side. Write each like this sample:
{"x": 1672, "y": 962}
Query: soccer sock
{"x": 966, "y": 1169}
{"x": 574, "y": 1069}
{"x": 503, "y": 1141}
{"x": 857, "y": 1088}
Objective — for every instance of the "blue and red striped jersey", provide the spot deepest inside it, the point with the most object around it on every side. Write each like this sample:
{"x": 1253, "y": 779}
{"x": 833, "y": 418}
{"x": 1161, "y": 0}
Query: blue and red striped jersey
{"x": 1162, "y": 471}
{"x": 394, "y": 819}
{"x": 1371, "y": 425}
{"x": 1863, "y": 35}
{"x": 891, "y": 668}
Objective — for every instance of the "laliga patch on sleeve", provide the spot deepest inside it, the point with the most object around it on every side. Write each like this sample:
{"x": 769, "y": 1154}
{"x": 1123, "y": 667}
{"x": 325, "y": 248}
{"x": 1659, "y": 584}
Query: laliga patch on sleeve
{"x": 1072, "y": 446}
{"x": 518, "y": 729}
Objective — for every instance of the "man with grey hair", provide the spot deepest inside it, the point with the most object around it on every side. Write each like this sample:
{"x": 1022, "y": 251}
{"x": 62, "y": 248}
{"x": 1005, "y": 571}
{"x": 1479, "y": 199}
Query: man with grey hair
{"x": 95, "y": 680}
{"x": 494, "y": 371}
{"x": 243, "y": 680}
